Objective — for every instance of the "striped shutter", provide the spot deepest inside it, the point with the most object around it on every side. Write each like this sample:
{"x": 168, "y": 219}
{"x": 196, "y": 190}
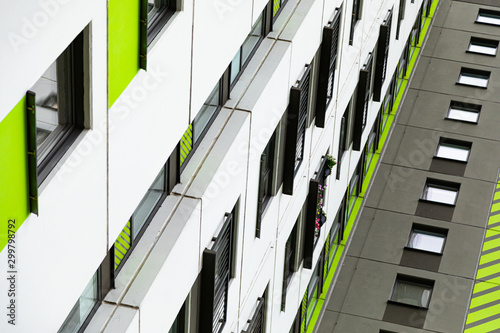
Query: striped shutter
{"x": 384, "y": 38}
{"x": 260, "y": 195}
{"x": 143, "y": 34}
{"x": 215, "y": 281}
{"x": 32, "y": 151}
{"x": 362, "y": 99}
{"x": 122, "y": 245}
{"x": 186, "y": 144}
{"x": 286, "y": 273}
{"x": 256, "y": 324}
{"x": 303, "y": 311}
{"x": 328, "y": 60}
{"x": 310, "y": 222}
{"x": 343, "y": 124}
{"x": 302, "y": 120}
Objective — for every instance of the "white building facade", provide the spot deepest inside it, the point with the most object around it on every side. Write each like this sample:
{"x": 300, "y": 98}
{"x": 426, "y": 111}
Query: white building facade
{"x": 167, "y": 162}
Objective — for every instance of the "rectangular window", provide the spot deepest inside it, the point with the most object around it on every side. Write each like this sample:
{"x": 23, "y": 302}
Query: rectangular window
{"x": 427, "y": 238}
{"x": 179, "y": 325}
{"x": 412, "y": 291}
{"x": 453, "y": 149}
{"x": 363, "y": 93}
{"x": 158, "y": 13}
{"x": 382, "y": 57}
{"x": 277, "y": 7}
{"x": 266, "y": 176}
{"x": 356, "y": 16}
{"x": 346, "y": 130}
{"x": 87, "y": 304}
{"x": 289, "y": 262}
{"x": 312, "y": 295}
{"x": 247, "y": 49}
{"x": 215, "y": 276}
{"x": 333, "y": 239}
{"x": 483, "y": 46}
{"x": 58, "y": 110}
{"x": 486, "y": 16}
{"x": 441, "y": 191}
{"x": 473, "y": 77}
{"x": 298, "y": 108}
{"x": 257, "y": 324}
{"x": 465, "y": 112}
{"x": 327, "y": 66}
{"x": 401, "y": 16}
{"x": 140, "y": 219}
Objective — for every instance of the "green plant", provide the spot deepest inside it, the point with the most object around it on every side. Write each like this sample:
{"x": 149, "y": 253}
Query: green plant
{"x": 330, "y": 162}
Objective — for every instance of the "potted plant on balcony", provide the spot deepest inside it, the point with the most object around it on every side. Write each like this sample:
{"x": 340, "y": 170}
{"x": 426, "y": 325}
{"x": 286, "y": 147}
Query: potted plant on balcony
{"x": 329, "y": 164}
{"x": 320, "y": 213}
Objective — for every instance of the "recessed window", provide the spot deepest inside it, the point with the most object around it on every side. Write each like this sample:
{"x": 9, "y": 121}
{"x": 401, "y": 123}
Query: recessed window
{"x": 486, "y": 16}
{"x": 465, "y": 112}
{"x": 483, "y": 46}
{"x": 59, "y": 106}
{"x": 416, "y": 292}
{"x": 422, "y": 238}
{"x": 453, "y": 149}
{"x": 159, "y": 12}
{"x": 473, "y": 77}
{"x": 441, "y": 191}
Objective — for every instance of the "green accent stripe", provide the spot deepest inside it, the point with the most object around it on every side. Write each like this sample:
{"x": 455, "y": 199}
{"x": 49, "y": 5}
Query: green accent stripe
{"x": 122, "y": 244}
{"x": 276, "y": 7}
{"x": 186, "y": 144}
{"x": 484, "y": 308}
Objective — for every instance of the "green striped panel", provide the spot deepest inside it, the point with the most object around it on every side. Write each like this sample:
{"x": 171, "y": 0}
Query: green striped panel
{"x": 276, "y": 6}
{"x": 122, "y": 245}
{"x": 186, "y": 143}
{"x": 484, "y": 308}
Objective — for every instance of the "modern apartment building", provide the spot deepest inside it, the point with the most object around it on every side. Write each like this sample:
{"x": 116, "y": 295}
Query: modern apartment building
{"x": 425, "y": 256}
{"x": 190, "y": 166}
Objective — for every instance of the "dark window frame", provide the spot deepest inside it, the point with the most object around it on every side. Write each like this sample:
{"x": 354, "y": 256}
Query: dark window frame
{"x": 257, "y": 323}
{"x": 413, "y": 280}
{"x": 215, "y": 283}
{"x": 440, "y": 184}
{"x": 490, "y": 12}
{"x": 357, "y": 8}
{"x": 467, "y": 107}
{"x": 453, "y": 142}
{"x": 401, "y": 16}
{"x": 473, "y": 72}
{"x": 491, "y": 43}
{"x": 289, "y": 261}
{"x": 427, "y": 229}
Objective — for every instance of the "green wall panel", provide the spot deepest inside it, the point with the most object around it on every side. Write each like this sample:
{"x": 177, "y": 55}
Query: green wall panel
{"x": 123, "y": 45}
{"x": 14, "y": 202}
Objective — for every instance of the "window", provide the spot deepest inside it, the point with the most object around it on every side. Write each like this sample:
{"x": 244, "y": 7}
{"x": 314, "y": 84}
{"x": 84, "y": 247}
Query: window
{"x": 141, "y": 217}
{"x": 247, "y": 49}
{"x": 465, "y": 112}
{"x": 412, "y": 291}
{"x": 363, "y": 93}
{"x": 473, "y": 77}
{"x": 215, "y": 276}
{"x": 257, "y": 323}
{"x": 86, "y": 305}
{"x": 265, "y": 180}
{"x": 277, "y": 7}
{"x": 201, "y": 123}
{"x": 382, "y": 57}
{"x": 486, "y": 16}
{"x": 289, "y": 266}
{"x": 453, "y": 149}
{"x": 427, "y": 239}
{"x": 401, "y": 16}
{"x": 354, "y": 189}
{"x": 370, "y": 149}
{"x": 356, "y": 16}
{"x": 56, "y": 108}
{"x": 158, "y": 13}
{"x": 346, "y": 129}
{"x": 483, "y": 46}
{"x": 327, "y": 66}
{"x": 333, "y": 239}
{"x": 441, "y": 191}
{"x": 296, "y": 128}
{"x": 311, "y": 295}
{"x": 179, "y": 325}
